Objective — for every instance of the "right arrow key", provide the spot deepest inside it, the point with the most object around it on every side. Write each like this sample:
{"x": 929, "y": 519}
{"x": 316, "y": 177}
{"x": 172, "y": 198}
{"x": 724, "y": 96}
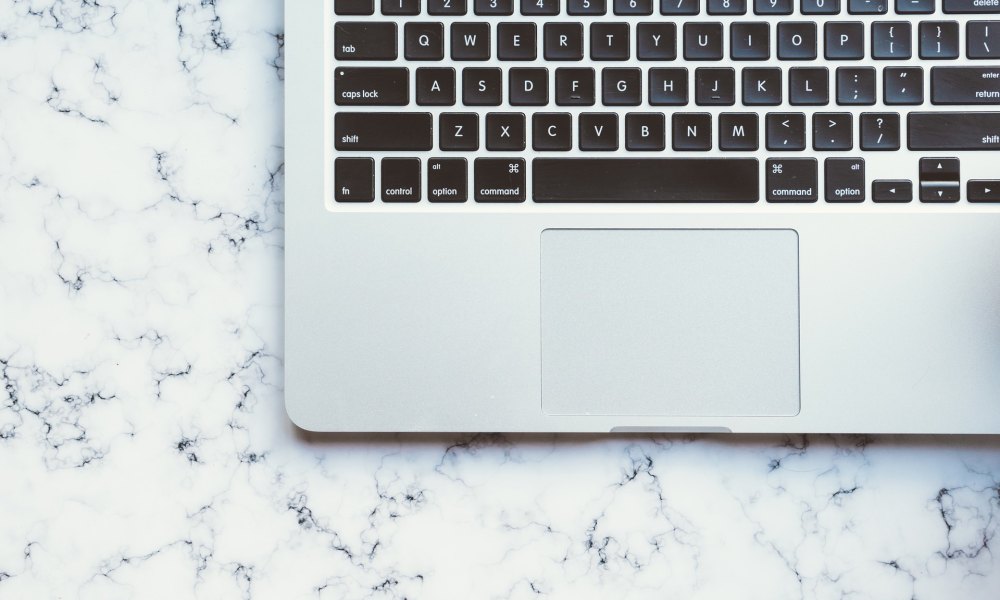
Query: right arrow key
{"x": 984, "y": 190}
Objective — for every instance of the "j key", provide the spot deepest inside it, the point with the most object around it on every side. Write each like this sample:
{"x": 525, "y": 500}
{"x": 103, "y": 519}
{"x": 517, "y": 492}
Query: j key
{"x": 505, "y": 132}
{"x": 633, "y": 7}
{"x": 645, "y": 180}
{"x": 609, "y": 41}
{"x": 539, "y": 7}
{"x": 867, "y": 7}
{"x": 762, "y": 87}
{"x": 833, "y": 131}
{"x": 855, "y": 86}
{"x": 957, "y": 7}
{"x": 516, "y": 41}
{"x": 575, "y": 87}
{"x": 656, "y": 41}
{"x": 809, "y": 86}
{"x": 423, "y": 41}
{"x": 903, "y": 85}
{"x": 983, "y": 190}
{"x": 621, "y": 87}
{"x": 891, "y": 40}
{"x": 892, "y": 190}
{"x": 447, "y": 180}
{"x": 703, "y": 41}
{"x": 692, "y": 131}
{"x": 563, "y": 41}
{"x": 844, "y": 179}
{"x": 772, "y": 7}
{"x": 371, "y": 86}
{"x": 679, "y": 7}
{"x": 819, "y": 7}
{"x": 552, "y": 131}
{"x": 954, "y": 131}
{"x": 382, "y": 131}
{"x": 528, "y": 87}
{"x": 939, "y": 39}
{"x": 493, "y": 7}
{"x": 645, "y": 131}
{"x": 586, "y": 7}
{"x": 598, "y": 131}
{"x": 446, "y": 7}
{"x": 668, "y": 86}
{"x": 401, "y": 179}
{"x": 400, "y": 7}
{"x": 458, "y": 131}
{"x": 750, "y": 41}
{"x": 982, "y": 39}
{"x": 786, "y": 131}
{"x": 354, "y": 180}
{"x": 844, "y": 41}
{"x": 796, "y": 41}
{"x": 364, "y": 41}
{"x": 481, "y": 87}
{"x": 738, "y": 131}
{"x": 500, "y": 180}
{"x": 880, "y": 131}
{"x": 792, "y": 180}
{"x": 727, "y": 7}
{"x": 715, "y": 87}
{"x": 470, "y": 41}
{"x": 914, "y": 7}
{"x": 354, "y": 7}
{"x": 436, "y": 86}
{"x": 965, "y": 85}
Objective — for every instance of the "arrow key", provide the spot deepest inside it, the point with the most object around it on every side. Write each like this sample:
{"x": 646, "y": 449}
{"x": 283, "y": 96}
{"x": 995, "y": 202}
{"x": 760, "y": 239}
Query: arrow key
{"x": 939, "y": 169}
{"x": 892, "y": 190}
{"x": 984, "y": 190}
{"x": 940, "y": 191}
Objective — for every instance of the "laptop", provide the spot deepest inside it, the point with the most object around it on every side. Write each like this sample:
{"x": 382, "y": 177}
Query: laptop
{"x": 643, "y": 215}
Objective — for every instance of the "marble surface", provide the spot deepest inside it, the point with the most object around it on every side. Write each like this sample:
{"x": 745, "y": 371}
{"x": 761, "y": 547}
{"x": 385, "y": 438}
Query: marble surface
{"x": 144, "y": 448}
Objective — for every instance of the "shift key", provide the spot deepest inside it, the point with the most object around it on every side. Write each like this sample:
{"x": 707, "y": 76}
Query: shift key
{"x": 383, "y": 131}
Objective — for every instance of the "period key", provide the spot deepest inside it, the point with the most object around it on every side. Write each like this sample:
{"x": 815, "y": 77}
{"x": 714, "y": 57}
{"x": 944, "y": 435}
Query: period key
{"x": 500, "y": 180}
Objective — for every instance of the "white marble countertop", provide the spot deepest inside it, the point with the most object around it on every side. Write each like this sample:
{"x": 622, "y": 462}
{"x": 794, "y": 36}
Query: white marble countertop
{"x": 144, "y": 448}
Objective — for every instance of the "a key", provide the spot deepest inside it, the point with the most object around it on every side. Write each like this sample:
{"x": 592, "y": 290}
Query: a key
{"x": 960, "y": 7}
{"x": 645, "y": 132}
{"x": 715, "y": 86}
{"x": 914, "y": 7}
{"x": 750, "y": 41}
{"x": 609, "y": 41}
{"x": 382, "y": 131}
{"x": 423, "y": 41}
{"x": 470, "y": 41}
{"x": 540, "y": 7}
{"x": 354, "y": 7}
{"x": 762, "y": 87}
{"x": 844, "y": 179}
{"x": 903, "y": 85}
{"x": 446, "y": 7}
{"x": 586, "y": 8}
{"x": 867, "y": 7}
{"x": 633, "y": 7}
{"x": 621, "y": 87}
{"x": 844, "y": 41}
{"x": 982, "y": 39}
{"x": 679, "y": 7}
{"x": 796, "y": 41}
{"x": 458, "y": 132}
{"x": 575, "y": 87}
{"x": 364, "y": 41}
{"x": 528, "y": 86}
{"x": 738, "y": 131}
{"x": 891, "y": 40}
{"x": 656, "y": 41}
{"x": 773, "y": 7}
{"x": 833, "y": 131}
{"x": 563, "y": 41}
{"x": 552, "y": 131}
{"x": 436, "y": 86}
{"x": 493, "y": 7}
{"x": 808, "y": 86}
{"x": 364, "y": 86}
{"x": 703, "y": 41}
{"x": 786, "y": 131}
{"x": 965, "y": 85}
{"x": 939, "y": 39}
{"x": 668, "y": 86}
{"x": 516, "y": 41}
{"x": 727, "y": 7}
{"x": 505, "y": 132}
{"x": 500, "y": 180}
{"x": 855, "y": 86}
{"x": 953, "y": 130}
{"x": 983, "y": 190}
{"x": 692, "y": 131}
{"x": 401, "y": 7}
{"x": 892, "y": 190}
{"x": 447, "y": 180}
{"x": 819, "y": 7}
{"x": 598, "y": 131}
{"x": 880, "y": 131}
{"x": 354, "y": 180}
{"x": 401, "y": 179}
{"x": 791, "y": 180}
{"x": 940, "y": 180}
{"x": 481, "y": 86}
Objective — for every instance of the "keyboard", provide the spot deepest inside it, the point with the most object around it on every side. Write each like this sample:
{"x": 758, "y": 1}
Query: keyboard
{"x": 480, "y": 102}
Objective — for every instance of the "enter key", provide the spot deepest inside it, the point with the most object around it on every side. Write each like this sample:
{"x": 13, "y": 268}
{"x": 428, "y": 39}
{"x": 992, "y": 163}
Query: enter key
{"x": 965, "y": 85}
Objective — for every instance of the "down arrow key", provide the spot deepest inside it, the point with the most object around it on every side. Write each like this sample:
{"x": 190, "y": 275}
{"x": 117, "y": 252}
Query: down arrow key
{"x": 984, "y": 190}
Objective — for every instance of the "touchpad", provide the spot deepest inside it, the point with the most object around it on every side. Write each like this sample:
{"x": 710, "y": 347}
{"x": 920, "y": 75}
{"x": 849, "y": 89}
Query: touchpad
{"x": 672, "y": 322}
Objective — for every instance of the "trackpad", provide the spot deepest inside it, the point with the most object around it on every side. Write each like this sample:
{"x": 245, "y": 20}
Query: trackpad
{"x": 672, "y": 322}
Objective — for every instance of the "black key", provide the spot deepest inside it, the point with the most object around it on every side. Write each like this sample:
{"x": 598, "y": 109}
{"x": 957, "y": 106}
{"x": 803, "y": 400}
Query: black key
{"x": 939, "y": 39}
{"x": 539, "y": 7}
{"x": 940, "y": 180}
{"x": 983, "y": 190}
{"x": 954, "y": 131}
{"x": 383, "y": 131}
{"x": 505, "y": 132}
{"x": 481, "y": 86}
{"x": 528, "y": 86}
{"x": 436, "y": 86}
{"x": 892, "y": 190}
{"x": 703, "y": 41}
{"x": 773, "y": 7}
{"x": 867, "y": 7}
{"x": 727, "y": 7}
{"x": 940, "y": 191}
{"x": 750, "y": 41}
{"x": 354, "y": 180}
{"x": 400, "y": 7}
{"x": 493, "y": 7}
{"x": 609, "y": 41}
{"x": 960, "y": 7}
{"x": 844, "y": 179}
{"x": 679, "y": 7}
{"x": 880, "y": 131}
{"x": 563, "y": 41}
{"x": 598, "y": 131}
{"x": 552, "y": 131}
{"x": 809, "y": 86}
{"x": 575, "y": 87}
{"x": 516, "y": 41}
{"x": 458, "y": 131}
{"x": 965, "y": 85}
{"x": 738, "y": 131}
{"x": 586, "y": 7}
{"x": 820, "y": 7}
{"x": 762, "y": 87}
{"x": 633, "y": 7}
{"x": 500, "y": 180}
{"x": 786, "y": 131}
{"x": 715, "y": 86}
{"x": 796, "y": 41}
{"x": 423, "y": 41}
{"x": 447, "y": 180}
{"x": 903, "y": 85}
{"x": 668, "y": 86}
{"x": 446, "y": 7}
{"x": 914, "y": 7}
{"x": 645, "y": 179}
{"x": 354, "y": 7}
{"x": 844, "y": 41}
{"x": 470, "y": 41}
{"x": 656, "y": 41}
{"x": 645, "y": 131}
{"x": 364, "y": 41}
{"x": 401, "y": 179}
{"x": 982, "y": 39}
{"x": 389, "y": 86}
{"x": 791, "y": 180}
{"x": 892, "y": 40}
{"x": 833, "y": 131}
{"x": 855, "y": 86}
{"x": 621, "y": 87}
{"x": 692, "y": 131}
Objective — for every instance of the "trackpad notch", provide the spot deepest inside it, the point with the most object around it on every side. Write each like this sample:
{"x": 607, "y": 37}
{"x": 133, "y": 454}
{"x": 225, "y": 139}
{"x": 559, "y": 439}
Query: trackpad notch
{"x": 670, "y": 322}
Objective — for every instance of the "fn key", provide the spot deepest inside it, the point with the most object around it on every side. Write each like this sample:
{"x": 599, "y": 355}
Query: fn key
{"x": 354, "y": 180}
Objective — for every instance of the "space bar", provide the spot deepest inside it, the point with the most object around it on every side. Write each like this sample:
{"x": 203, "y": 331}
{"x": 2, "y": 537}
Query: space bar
{"x": 645, "y": 179}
